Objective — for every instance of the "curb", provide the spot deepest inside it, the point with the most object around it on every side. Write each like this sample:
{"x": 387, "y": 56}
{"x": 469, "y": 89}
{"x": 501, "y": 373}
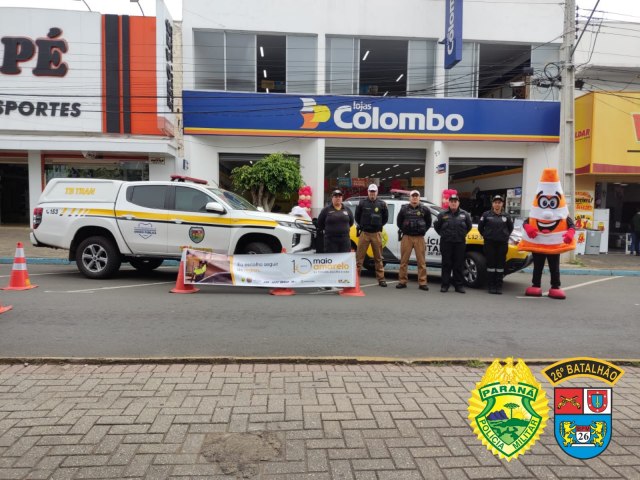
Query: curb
{"x": 358, "y": 360}
{"x": 64, "y": 261}
{"x": 604, "y": 272}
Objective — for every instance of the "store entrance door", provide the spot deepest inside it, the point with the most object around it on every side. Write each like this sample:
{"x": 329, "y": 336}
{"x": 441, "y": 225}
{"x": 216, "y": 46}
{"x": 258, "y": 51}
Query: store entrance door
{"x": 14, "y": 194}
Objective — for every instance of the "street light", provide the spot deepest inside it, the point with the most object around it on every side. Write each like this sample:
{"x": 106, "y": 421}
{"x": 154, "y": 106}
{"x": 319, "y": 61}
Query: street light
{"x": 139, "y": 6}
{"x": 85, "y": 3}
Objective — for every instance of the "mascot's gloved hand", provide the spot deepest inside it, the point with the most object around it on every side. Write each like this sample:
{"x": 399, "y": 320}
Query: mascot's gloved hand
{"x": 531, "y": 231}
{"x": 568, "y": 236}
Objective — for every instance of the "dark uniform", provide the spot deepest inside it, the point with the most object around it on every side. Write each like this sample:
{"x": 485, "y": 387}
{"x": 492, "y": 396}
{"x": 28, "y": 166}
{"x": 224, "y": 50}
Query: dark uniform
{"x": 335, "y": 224}
{"x": 371, "y": 217}
{"x": 453, "y": 228}
{"x": 413, "y": 223}
{"x": 495, "y": 228}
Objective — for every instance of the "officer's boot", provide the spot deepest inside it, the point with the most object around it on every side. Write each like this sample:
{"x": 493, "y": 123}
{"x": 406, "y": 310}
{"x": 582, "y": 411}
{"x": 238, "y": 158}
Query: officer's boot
{"x": 492, "y": 282}
{"x": 499, "y": 276}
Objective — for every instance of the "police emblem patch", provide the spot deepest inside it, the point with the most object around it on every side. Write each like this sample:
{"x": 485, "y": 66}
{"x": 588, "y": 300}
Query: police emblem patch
{"x": 196, "y": 234}
{"x": 583, "y": 415}
{"x": 508, "y": 409}
{"x": 583, "y": 420}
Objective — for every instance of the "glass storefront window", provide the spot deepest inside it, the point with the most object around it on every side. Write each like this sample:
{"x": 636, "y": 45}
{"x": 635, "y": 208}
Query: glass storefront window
{"x": 128, "y": 171}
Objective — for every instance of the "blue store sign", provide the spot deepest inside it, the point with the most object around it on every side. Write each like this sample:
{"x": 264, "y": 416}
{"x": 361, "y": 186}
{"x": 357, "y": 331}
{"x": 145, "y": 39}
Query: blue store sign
{"x": 325, "y": 116}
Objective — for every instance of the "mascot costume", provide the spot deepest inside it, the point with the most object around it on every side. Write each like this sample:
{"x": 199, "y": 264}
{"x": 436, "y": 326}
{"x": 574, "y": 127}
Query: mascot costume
{"x": 548, "y": 232}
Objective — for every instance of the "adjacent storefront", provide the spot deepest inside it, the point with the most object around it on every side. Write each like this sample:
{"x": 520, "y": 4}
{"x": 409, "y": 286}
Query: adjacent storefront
{"x": 81, "y": 95}
{"x": 477, "y": 146}
{"x": 608, "y": 163}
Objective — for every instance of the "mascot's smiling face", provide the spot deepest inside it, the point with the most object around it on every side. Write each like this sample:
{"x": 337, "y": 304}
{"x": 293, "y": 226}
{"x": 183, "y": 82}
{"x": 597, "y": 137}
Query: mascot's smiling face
{"x": 549, "y": 210}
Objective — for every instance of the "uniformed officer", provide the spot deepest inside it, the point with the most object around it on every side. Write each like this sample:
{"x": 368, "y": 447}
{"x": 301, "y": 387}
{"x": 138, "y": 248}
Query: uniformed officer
{"x": 414, "y": 220}
{"x": 495, "y": 226}
{"x": 453, "y": 225}
{"x": 336, "y": 220}
{"x": 371, "y": 216}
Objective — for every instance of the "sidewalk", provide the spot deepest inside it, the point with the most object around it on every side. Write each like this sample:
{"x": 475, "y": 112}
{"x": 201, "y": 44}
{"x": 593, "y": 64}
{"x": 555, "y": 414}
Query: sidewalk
{"x": 361, "y": 422}
{"x": 611, "y": 264}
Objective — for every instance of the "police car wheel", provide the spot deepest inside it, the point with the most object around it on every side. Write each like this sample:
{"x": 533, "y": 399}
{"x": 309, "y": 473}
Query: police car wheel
{"x": 475, "y": 269}
{"x": 256, "y": 248}
{"x": 98, "y": 257}
{"x": 145, "y": 264}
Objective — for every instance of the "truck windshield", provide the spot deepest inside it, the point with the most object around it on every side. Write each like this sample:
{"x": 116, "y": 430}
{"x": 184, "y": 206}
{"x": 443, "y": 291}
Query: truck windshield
{"x": 232, "y": 200}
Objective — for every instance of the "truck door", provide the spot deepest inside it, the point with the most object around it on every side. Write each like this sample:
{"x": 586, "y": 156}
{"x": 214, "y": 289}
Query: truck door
{"x": 191, "y": 225}
{"x": 142, "y": 218}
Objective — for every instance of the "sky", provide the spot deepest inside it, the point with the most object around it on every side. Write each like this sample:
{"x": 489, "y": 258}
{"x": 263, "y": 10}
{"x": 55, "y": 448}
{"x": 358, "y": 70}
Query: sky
{"x": 627, "y": 10}
{"x": 123, "y": 7}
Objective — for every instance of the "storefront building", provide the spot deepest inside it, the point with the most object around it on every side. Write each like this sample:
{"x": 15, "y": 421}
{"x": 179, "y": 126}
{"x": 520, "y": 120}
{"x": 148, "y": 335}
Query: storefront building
{"x": 360, "y": 94}
{"x": 608, "y": 163}
{"x": 81, "y": 95}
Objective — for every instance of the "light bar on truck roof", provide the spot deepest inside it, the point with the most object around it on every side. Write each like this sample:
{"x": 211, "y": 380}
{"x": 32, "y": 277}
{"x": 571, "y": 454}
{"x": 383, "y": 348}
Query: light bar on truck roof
{"x": 183, "y": 178}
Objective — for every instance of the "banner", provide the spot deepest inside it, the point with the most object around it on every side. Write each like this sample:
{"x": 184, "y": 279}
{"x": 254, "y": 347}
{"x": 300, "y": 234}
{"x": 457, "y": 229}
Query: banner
{"x": 584, "y": 205}
{"x": 393, "y": 118}
{"x": 453, "y": 33}
{"x": 276, "y": 270}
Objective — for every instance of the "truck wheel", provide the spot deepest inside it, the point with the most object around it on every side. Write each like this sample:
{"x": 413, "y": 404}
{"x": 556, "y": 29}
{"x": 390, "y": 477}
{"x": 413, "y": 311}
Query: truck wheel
{"x": 98, "y": 257}
{"x": 256, "y": 248}
{"x": 145, "y": 265}
{"x": 475, "y": 269}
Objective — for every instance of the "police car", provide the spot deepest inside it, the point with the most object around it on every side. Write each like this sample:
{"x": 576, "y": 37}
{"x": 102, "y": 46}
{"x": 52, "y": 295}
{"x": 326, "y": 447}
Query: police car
{"x": 475, "y": 264}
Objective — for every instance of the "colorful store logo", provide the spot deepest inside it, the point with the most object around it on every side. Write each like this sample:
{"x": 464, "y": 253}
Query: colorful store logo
{"x": 313, "y": 114}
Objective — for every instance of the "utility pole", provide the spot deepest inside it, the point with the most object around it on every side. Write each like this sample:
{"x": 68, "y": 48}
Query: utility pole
{"x": 567, "y": 106}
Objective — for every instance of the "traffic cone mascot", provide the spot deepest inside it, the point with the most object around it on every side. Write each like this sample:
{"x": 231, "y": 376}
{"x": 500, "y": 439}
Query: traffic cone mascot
{"x": 548, "y": 232}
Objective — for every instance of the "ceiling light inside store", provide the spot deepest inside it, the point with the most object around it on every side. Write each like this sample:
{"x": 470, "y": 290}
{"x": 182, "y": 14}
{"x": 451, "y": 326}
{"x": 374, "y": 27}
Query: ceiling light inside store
{"x": 365, "y": 56}
{"x": 416, "y": 169}
{"x": 387, "y": 169}
{"x": 397, "y": 175}
{"x": 361, "y": 164}
{"x": 264, "y": 73}
{"x": 267, "y": 90}
{"x": 261, "y": 51}
{"x": 406, "y": 172}
{"x": 396, "y": 165}
{"x": 385, "y": 94}
{"x": 379, "y": 171}
{"x": 400, "y": 77}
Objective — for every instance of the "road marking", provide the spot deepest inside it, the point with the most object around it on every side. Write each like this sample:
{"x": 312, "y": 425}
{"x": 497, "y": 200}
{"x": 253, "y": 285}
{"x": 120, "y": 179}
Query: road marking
{"x": 546, "y": 294}
{"x": 591, "y": 282}
{"x": 40, "y": 274}
{"x": 107, "y": 288}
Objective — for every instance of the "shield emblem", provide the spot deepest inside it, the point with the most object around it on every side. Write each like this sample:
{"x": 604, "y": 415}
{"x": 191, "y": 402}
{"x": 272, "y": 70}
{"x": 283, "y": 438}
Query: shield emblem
{"x": 597, "y": 400}
{"x": 196, "y": 234}
{"x": 583, "y": 420}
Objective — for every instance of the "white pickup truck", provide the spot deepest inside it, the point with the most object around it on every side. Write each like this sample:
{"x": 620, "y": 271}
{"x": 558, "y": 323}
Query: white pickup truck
{"x": 105, "y": 222}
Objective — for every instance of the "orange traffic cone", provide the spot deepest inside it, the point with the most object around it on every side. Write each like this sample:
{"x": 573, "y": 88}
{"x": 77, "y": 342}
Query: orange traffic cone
{"x": 180, "y": 286}
{"x": 5, "y": 308}
{"x": 282, "y": 292}
{"x": 353, "y": 291}
{"x": 19, "y": 279}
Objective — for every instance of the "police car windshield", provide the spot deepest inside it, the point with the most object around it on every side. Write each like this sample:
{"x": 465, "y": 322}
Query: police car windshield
{"x": 236, "y": 202}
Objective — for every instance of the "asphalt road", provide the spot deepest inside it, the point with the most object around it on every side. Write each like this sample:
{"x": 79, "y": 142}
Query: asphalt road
{"x": 135, "y": 316}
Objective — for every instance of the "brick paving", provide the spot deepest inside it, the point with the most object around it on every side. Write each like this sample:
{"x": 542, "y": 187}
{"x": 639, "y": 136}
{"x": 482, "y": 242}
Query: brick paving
{"x": 360, "y": 422}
